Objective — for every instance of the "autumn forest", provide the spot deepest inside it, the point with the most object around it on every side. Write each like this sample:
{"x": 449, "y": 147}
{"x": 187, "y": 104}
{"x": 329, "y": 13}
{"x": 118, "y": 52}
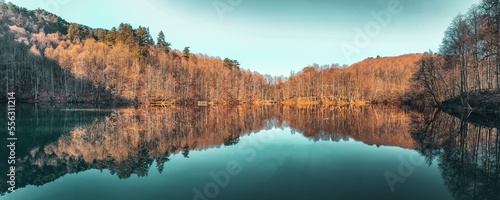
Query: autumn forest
{"x": 47, "y": 59}
{"x": 95, "y": 102}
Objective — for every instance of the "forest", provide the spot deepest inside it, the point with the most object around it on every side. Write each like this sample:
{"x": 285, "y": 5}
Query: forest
{"x": 47, "y": 59}
{"x": 468, "y": 62}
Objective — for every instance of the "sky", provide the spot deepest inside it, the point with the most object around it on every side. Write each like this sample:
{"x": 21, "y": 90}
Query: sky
{"x": 276, "y": 36}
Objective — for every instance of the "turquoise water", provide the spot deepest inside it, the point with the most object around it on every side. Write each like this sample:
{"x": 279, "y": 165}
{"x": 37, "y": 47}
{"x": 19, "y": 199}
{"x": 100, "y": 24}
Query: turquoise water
{"x": 277, "y": 162}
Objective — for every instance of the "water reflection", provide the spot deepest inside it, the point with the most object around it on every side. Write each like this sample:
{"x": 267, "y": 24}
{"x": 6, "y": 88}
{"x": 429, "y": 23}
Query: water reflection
{"x": 131, "y": 141}
{"x": 37, "y": 127}
{"x": 375, "y": 125}
{"x": 468, "y": 149}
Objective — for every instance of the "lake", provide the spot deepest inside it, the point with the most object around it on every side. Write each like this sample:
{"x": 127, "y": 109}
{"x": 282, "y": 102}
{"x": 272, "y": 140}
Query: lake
{"x": 273, "y": 152}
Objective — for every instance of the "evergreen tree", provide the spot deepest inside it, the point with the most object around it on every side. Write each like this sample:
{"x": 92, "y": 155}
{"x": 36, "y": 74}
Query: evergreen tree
{"x": 111, "y": 36}
{"x": 235, "y": 64}
{"x": 231, "y": 63}
{"x": 143, "y": 40}
{"x": 162, "y": 44}
{"x": 186, "y": 52}
{"x": 74, "y": 32}
{"x": 125, "y": 34}
{"x": 101, "y": 35}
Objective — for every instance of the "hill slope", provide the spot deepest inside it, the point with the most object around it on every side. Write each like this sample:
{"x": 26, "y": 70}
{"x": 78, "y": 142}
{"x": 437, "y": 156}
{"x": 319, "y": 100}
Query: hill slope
{"x": 45, "y": 58}
{"x": 374, "y": 79}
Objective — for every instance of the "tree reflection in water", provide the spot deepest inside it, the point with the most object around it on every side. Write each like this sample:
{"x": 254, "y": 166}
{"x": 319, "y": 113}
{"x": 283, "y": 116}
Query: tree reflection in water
{"x": 468, "y": 150}
{"x": 131, "y": 141}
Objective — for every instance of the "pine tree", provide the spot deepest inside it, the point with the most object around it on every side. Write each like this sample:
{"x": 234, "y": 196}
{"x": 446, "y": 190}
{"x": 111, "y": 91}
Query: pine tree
{"x": 125, "y": 34}
{"x": 162, "y": 44}
{"x": 74, "y": 32}
{"x": 186, "y": 52}
{"x": 111, "y": 37}
{"x": 141, "y": 46}
{"x": 229, "y": 63}
{"x": 101, "y": 35}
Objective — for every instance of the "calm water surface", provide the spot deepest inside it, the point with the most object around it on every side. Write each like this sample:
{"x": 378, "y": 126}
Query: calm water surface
{"x": 252, "y": 153}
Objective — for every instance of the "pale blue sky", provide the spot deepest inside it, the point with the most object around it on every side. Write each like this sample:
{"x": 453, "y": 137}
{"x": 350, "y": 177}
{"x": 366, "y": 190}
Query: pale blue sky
{"x": 274, "y": 36}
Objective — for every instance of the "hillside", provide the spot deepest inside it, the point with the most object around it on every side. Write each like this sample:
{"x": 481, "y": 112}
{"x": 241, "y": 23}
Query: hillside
{"x": 373, "y": 79}
{"x": 24, "y": 35}
{"x": 45, "y": 58}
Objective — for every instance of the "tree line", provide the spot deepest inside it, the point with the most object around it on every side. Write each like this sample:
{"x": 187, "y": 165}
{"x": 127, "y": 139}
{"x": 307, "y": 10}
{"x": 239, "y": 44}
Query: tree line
{"x": 374, "y": 79}
{"x": 51, "y": 59}
{"x": 48, "y": 59}
{"x": 468, "y": 60}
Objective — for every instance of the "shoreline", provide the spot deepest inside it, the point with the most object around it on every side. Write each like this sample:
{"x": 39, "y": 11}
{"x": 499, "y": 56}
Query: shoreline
{"x": 486, "y": 101}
